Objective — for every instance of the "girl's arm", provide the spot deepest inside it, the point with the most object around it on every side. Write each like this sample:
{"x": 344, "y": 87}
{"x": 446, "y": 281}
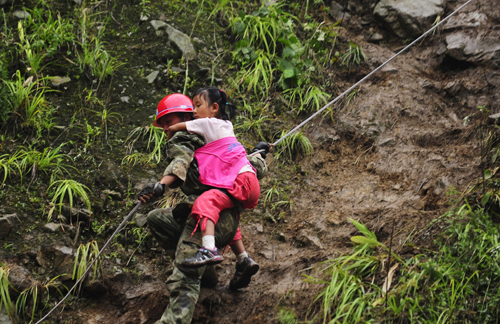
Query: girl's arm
{"x": 175, "y": 128}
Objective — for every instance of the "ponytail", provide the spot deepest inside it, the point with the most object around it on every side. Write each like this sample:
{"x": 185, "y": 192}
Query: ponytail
{"x": 215, "y": 95}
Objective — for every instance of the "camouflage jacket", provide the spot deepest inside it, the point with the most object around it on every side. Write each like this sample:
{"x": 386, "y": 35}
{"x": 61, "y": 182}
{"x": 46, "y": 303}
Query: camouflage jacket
{"x": 181, "y": 163}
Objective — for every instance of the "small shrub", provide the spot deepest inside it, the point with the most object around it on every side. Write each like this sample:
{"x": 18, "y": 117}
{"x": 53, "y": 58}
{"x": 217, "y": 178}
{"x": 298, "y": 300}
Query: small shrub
{"x": 85, "y": 254}
{"x": 68, "y": 190}
{"x": 5, "y": 300}
{"x": 48, "y": 161}
{"x": 353, "y": 56}
{"x": 294, "y": 144}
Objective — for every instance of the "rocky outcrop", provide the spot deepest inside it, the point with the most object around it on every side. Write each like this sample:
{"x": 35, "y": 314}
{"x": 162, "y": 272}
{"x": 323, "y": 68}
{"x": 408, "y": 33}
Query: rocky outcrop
{"x": 475, "y": 48}
{"x": 338, "y": 12}
{"x": 177, "y": 37}
{"x": 57, "y": 259}
{"x": 7, "y": 224}
{"x": 409, "y": 18}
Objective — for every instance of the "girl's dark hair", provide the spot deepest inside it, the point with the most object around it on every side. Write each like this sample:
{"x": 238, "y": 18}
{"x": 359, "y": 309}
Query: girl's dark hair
{"x": 215, "y": 95}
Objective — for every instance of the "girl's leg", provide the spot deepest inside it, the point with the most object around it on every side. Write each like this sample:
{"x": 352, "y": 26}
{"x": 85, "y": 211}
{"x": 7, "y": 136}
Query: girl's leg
{"x": 206, "y": 211}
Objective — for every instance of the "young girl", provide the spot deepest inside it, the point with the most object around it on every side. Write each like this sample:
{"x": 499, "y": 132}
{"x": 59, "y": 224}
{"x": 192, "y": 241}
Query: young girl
{"x": 223, "y": 164}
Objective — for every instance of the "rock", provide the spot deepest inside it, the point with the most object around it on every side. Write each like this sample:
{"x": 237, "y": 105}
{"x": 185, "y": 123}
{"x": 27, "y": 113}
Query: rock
{"x": 495, "y": 116}
{"x": 144, "y": 17}
{"x": 476, "y": 49}
{"x": 177, "y": 69}
{"x": 375, "y": 38}
{"x": 386, "y": 142}
{"x": 409, "y": 18}
{"x": 19, "y": 277}
{"x": 20, "y": 14}
{"x": 125, "y": 99}
{"x": 259, "y": 228}
{"x": 268, "y": 3}
{"x": 390, "y": 69}
{"x": 4, "y": 319}
{"x": 466, "y": 20}
{"x": 309, "y": 239}
{"x": 112, "y": 194}
{"x": 75, "y": 214}
{"x": 57, "y": 259}
{"x": 152, "y": 76}
{"x": 57, "y": 80}
{"x": 7, "y": 224}
{"x": 140, "y": 220}
{"x": 337, "y": 12}
{"x": 452, "y": 88}
{"x": 177, "y": 37}
{"x": 53, "y": 227}
{"x": 157, "y": 24}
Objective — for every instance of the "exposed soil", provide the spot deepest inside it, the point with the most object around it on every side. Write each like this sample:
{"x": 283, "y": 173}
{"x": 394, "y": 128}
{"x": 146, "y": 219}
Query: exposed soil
{"x": 387, "y": 160}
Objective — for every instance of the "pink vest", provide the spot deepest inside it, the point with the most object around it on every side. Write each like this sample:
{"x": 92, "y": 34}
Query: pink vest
{"x": 220, "y": 161}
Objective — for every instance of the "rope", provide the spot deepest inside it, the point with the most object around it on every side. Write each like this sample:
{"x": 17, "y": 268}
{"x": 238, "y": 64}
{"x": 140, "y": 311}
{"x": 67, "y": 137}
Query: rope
{"x": 275, "y": 143}
{"x": 95, "y": 259}
{"x": 366, "y": 77}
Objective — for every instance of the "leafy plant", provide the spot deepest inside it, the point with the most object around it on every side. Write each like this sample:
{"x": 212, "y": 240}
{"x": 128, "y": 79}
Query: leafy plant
{"x": 249, "y": 124}
{"x": 108, "y": 116}
{"x": 33, "y": 58}
{"x": 287, "y": 317}
{"x": 68, "y": 189}
{"x": 274, "y": 198}
{"x": 9, "y": 164}
{"x": 294, "y": 144}
{"x": 156, "y": 141}
{"x": 27, "y": 99}
{"x": 50, "y": 160}
{"x": 353, "y": 56}
{"x": 48, "y": 32}
{"x": 35, "y": 295}
{"x": 262, "y": 27}
{"x": 258, "y": 74}
{"x": 85, "y": 254}
{"x": 5, "y": 300}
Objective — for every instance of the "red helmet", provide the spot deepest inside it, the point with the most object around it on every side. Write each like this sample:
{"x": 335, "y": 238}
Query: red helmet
{"x": 175, "y": 102}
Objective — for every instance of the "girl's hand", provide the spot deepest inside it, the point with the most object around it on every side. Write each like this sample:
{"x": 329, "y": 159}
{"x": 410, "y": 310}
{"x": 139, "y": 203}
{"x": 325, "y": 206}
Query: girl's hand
{"x": 170, "y": 133}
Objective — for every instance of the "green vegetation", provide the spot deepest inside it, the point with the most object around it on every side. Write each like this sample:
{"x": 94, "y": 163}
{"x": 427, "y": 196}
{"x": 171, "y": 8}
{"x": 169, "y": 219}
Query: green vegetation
{"x": 353, "y": 56}
{"x": 156, "y": 140}
{"x": 50, "y": 160}
{"x": 5, "y": 300}
{"x": 36, "y": 297}
{"x": 68, "y": 190}
{"x": 457, "y": 283}
{"x": 85, "y": 254}
{"x": 293, "y": 145}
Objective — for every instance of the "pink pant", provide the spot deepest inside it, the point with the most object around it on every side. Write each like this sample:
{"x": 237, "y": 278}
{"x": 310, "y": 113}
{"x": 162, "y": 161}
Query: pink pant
{"x": 208, "y": 205}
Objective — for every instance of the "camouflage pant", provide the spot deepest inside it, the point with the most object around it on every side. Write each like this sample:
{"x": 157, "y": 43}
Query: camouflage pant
{"x": 172, "y": 228}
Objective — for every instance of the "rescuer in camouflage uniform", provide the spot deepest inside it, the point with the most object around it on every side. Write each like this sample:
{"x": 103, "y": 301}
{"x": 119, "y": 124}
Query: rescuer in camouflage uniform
{"x": 173, "y": 227}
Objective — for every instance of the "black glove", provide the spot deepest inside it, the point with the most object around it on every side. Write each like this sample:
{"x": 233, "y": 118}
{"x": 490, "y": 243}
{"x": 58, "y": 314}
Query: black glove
{"x": 157, "y": 189}
{"x": 262, "y": 146}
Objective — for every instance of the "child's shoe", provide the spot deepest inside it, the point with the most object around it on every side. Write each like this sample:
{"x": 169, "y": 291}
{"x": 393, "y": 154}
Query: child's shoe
{"x": 203, "y": 257}
{"x": 244, "y": 272}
